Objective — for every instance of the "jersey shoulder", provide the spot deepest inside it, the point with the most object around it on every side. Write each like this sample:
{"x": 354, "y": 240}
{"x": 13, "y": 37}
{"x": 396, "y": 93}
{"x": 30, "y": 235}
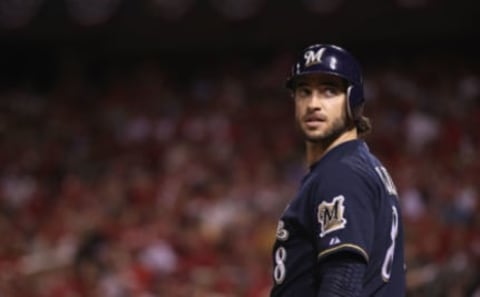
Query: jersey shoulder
{"x": 349, "y": 171}
{"x": 357, "y": 176}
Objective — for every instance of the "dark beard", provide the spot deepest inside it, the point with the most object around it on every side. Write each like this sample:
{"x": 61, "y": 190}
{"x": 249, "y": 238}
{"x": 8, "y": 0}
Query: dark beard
{"x": 339, "y": 126}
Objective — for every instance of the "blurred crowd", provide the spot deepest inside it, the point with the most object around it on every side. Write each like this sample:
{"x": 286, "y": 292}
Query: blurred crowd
{"x": 157, "y": 180}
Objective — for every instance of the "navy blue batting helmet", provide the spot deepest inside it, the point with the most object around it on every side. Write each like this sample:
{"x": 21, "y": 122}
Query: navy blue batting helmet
{"x": 334, "y": 60}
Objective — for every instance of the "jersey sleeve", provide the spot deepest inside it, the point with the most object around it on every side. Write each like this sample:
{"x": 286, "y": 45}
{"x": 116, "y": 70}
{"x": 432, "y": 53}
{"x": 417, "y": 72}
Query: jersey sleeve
{"x": 343, "y": 212}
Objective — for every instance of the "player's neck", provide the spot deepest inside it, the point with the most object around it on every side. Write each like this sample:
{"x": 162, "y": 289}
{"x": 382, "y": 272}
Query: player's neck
{"x": 316, "y": 150}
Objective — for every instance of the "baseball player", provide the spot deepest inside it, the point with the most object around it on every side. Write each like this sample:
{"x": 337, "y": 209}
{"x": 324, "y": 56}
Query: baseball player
{"x": 342, "y": 234}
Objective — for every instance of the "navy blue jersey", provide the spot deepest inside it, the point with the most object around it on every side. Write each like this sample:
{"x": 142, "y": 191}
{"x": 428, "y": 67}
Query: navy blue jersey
{"x": 347, "y": 202}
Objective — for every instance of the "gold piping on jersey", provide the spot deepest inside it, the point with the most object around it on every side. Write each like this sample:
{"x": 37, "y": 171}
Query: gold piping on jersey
{"x": 345, "y": 245}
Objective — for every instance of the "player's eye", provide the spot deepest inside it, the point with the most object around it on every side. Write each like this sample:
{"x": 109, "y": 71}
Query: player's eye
{"x": 303, "y": 92}
{"x": 331, "y": 91}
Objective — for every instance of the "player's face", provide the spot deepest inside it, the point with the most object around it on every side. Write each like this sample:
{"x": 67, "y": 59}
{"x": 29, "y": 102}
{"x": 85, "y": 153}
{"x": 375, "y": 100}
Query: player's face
{"x": 320, "y": 106}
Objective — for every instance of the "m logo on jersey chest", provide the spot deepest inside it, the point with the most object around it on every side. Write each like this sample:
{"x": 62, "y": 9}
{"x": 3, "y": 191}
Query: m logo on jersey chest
{"x": 331, "y": 215}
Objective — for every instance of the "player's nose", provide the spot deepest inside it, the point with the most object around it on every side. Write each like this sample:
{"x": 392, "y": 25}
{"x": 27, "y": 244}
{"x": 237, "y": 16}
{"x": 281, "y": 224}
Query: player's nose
{"x": 314, "y": 102}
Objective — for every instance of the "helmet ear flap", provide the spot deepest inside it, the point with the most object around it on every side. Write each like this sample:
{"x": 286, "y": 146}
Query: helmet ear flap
{"x": 355, "y": 101}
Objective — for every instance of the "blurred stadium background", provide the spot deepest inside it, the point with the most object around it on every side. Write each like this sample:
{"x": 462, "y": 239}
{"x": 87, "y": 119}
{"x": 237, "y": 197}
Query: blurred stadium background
{"x": 147, "y": 147}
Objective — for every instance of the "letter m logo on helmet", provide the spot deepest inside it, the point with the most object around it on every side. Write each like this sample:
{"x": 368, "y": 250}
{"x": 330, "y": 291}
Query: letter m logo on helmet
{"x": 313, "y": 57}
